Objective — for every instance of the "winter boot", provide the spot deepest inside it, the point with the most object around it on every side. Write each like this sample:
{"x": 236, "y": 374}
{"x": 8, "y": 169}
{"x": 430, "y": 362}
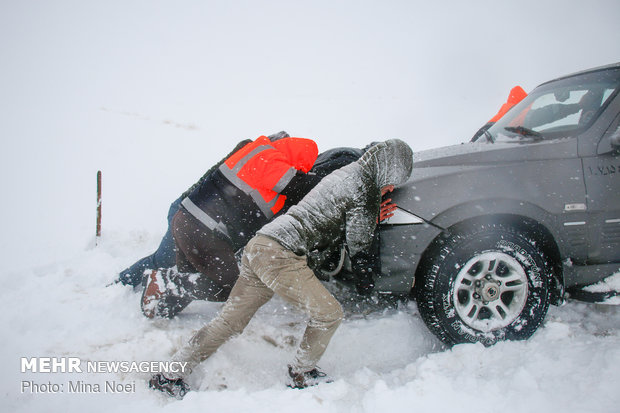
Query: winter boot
{"x": 162, "y": 297}
{"x": 302, "y": 380}
{"x": 154, "y": 287}
{"x": 176, "y": 388}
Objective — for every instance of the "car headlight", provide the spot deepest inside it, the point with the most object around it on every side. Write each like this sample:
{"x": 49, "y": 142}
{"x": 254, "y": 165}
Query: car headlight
{"x": 402, "y": 217}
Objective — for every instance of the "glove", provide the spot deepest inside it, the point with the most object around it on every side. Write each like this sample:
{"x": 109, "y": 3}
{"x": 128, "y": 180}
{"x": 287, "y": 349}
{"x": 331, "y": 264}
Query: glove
{"x": 387, "y": 210}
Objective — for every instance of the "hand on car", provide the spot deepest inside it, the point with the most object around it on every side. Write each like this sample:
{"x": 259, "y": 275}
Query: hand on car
{"x": 387, "y": 210}
{"x": 387, "y": 206}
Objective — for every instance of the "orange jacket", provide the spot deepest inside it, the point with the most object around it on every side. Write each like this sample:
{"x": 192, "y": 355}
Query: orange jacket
{"x": 516, "y": 95}
{"x": 263, "y": 168}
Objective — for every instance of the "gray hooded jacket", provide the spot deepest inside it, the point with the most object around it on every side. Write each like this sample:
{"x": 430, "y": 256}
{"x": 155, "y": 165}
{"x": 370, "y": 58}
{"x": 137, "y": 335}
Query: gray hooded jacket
{"x": 345, "y": 205}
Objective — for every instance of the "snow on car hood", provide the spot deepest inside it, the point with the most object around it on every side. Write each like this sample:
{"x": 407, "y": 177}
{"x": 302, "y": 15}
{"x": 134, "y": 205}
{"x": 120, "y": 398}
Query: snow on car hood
{"x": 481, "y": 154}
{"x": 425, "y": 156}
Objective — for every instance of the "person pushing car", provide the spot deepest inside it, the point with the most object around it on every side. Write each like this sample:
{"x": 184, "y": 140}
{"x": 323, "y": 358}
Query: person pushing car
{"x": 343, "y": 208}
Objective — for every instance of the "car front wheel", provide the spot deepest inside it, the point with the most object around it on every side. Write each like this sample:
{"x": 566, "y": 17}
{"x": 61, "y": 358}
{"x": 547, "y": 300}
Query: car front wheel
{"x": 484, "y": 283}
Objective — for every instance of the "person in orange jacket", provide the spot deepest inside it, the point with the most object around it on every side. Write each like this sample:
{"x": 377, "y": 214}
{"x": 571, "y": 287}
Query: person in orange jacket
{"x": 220, "y": 215}
{"x": 516, "y": 95}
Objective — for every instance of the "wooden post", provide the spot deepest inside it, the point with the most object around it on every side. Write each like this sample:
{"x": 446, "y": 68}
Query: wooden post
{"x": 98, "y": 231}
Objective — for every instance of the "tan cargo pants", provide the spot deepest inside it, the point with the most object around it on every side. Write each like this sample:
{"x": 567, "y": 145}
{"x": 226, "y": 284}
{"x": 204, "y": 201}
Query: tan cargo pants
{"x": 268, "y": 268}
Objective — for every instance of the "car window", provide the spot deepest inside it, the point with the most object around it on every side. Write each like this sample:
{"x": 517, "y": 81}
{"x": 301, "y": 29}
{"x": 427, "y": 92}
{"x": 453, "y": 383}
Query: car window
{"x": 559, "y": 109}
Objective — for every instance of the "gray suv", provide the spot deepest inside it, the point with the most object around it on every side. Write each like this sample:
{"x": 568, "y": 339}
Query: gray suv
{"x": 490, "y": 232}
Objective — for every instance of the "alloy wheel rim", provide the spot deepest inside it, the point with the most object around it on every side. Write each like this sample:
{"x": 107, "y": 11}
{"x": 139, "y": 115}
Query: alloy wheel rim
{"x": 490, "y": 291}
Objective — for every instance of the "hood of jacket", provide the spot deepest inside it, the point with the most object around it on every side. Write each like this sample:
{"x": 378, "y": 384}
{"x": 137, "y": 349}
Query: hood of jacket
{"x": 389, "y": 162}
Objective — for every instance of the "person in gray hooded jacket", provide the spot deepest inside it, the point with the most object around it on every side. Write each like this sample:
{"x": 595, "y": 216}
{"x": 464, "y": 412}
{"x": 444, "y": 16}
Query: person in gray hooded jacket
{"x": 343, "y": 207}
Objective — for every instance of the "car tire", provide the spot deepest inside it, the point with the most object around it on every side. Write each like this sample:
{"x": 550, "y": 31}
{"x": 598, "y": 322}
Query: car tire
{"x": 484, "y": 283}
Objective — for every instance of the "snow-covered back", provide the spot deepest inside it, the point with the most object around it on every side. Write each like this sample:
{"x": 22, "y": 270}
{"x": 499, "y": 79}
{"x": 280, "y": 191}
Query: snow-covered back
{"x": 352, "y": 192}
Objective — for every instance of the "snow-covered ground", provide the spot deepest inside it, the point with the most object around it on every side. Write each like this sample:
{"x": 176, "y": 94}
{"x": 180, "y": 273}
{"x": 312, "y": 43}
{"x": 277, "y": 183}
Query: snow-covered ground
{"x": 154, "y": 92}
{"x": 382, "y": 358}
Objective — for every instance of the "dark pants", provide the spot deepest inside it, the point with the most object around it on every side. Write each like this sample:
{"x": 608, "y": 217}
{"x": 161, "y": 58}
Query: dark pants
{"x": 163, "y": 257}
{"x": 206, "y": 267}
{"x": 206, "y": 256}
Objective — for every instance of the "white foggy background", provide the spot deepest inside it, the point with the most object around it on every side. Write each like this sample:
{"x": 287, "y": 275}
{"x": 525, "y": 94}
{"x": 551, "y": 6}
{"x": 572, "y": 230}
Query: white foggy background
{"x": 154, "y": 92}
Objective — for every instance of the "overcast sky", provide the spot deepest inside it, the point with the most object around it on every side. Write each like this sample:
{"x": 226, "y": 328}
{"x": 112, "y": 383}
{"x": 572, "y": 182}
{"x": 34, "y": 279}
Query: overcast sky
{"x": 154, "y": 92}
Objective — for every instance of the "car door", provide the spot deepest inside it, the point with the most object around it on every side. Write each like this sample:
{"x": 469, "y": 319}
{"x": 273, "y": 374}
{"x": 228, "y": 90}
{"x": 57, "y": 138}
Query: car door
{"x": 602, "y": 178}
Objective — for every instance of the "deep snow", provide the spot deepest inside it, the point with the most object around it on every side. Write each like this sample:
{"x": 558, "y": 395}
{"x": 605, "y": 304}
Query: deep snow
{"x": 154, "y": 92}
{"x": 382, "y": 357}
